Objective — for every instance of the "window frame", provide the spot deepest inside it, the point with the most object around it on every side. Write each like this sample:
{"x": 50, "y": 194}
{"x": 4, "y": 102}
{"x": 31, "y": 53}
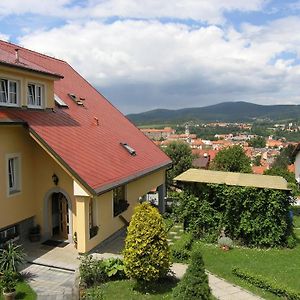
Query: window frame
{"x": 123, "y": 201}
{"x": 8, "y": 92}
{"x": 35, "y": 95}
{"x": 16, "y": 188}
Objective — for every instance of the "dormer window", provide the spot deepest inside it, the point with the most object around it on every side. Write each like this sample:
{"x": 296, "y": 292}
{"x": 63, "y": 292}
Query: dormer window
{"x": 35, "y": 95}
{"x": 8, "y": 92}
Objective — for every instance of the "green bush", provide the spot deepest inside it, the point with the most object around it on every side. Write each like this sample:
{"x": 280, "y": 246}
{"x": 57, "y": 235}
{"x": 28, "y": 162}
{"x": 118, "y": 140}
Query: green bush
{"x": 146, "y": 253}
{"x": 11, "y": 257}
{"x": 92, "y": 271}
{"x": 291, "y": 242}
{"x": 114, "y": 268}
{"x": 8, "y": 281}
{"x": 267, "y": 284}
{"x": 254, "y": 217}
{"x": 180, "y": 250}
{"x": 194, "y": 284}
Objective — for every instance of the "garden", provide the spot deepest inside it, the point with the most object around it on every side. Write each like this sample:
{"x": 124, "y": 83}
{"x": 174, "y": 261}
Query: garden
{"x": 12, "y": 283}
{"x": 256, "y": 226}
{"x": 144, "y": 273}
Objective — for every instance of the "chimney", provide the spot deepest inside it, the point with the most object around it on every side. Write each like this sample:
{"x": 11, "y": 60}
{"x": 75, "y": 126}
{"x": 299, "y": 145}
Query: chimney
{"x": 17, "y": 55}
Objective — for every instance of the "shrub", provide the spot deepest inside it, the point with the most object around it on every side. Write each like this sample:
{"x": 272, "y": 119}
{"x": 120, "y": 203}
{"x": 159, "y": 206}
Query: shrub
{"x": 180, "y": 250}
{"x": 114, "y": 268}
{"x": 225, "y": 241}
{"x": 146, "y": 253}
{"x": 11, "y": 257}
{"x": 291, "y": 242}
{"x": 254, "y": 216}
{"x": 92, "y": 271}
{"x": 267, "y": 284}
{"x": 8, "y": 281}
{"x": 194, "y": 284}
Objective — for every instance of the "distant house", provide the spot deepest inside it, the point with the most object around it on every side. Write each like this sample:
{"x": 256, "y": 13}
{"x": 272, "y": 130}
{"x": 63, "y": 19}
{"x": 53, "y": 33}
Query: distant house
{"x": 270, "y": 143}
{"x": 201, "y": 162}
{"x": 69, "y": 160}
{"x": 158, "y": 134}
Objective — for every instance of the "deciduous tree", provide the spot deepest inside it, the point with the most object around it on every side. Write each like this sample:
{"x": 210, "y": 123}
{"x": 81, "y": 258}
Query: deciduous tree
{"x": 232, "y": 159}
{"x": 181, "y": 156}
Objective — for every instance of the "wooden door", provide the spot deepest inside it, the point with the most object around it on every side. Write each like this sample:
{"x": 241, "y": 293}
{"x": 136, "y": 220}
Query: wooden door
{"x": 63, "y": 217}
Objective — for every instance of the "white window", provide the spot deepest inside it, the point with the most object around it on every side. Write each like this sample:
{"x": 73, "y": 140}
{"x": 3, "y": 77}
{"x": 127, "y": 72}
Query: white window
{"x": 13, "y": 174}
{"x": 35, "y": 95}
{"x": 8, "y": 92}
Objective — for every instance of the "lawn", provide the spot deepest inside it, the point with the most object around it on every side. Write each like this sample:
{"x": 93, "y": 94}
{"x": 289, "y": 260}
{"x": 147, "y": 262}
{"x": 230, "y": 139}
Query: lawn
{"x": 124, "y": 290}
{"x": 283, "y": 265}
{"x": 24, "y": 292}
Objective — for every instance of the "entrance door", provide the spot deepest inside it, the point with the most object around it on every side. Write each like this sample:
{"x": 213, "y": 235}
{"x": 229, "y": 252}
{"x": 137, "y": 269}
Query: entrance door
{"x": 63, "y": 216}
{"x": 60, "y": 216}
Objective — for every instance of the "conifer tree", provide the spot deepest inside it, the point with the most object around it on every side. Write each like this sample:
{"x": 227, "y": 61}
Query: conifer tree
{"x": 194, "y": 284}
{"x": 146, "y": 253}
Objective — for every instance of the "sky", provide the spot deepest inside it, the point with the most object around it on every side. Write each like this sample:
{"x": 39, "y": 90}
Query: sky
{"x": 148, "y": 54}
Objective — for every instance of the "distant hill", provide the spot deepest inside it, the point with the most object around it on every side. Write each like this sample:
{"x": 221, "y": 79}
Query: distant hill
{"x": 224, "y": 112}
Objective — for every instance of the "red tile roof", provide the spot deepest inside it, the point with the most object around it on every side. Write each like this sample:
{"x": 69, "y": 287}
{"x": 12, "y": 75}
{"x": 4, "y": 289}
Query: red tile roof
{"x": 259, "y": 169}
{"x": 92, "y": 152}
{"x": 8, "y": 57}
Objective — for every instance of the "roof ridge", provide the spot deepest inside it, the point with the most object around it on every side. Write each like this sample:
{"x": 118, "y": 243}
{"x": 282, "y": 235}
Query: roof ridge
{"x": 32, "y": 51}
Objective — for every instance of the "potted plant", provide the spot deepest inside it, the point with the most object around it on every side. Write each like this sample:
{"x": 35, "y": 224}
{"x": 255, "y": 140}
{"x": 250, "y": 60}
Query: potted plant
{"x": 11, "y": 257}
{"x": 75, "y": 239}
{"x": 35, "y": 233}
{"x": 8, "y": 282}
{"x": 225, "y": 243}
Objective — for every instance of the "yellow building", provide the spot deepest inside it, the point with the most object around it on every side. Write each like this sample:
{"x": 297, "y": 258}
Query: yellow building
{"x": 69, "y": 161}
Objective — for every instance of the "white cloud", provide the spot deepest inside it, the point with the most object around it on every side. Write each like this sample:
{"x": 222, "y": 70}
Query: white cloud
{"x": 210, "y": 11}
{"x": 177, "y": 65}
{"x": 4, "y": 37}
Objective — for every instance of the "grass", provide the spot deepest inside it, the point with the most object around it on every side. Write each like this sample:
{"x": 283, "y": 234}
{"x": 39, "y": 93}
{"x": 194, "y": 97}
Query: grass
{"x": 125, "y": 290}
{"x": 24, "y": 291}
{"x": 279, "y": 264}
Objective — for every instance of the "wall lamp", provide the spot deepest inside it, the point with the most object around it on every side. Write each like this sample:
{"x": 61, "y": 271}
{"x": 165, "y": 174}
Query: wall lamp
{"x": 55, "y": 179}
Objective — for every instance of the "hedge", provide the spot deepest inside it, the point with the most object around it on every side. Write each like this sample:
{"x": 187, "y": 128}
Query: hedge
{"x": 267, "y": 284}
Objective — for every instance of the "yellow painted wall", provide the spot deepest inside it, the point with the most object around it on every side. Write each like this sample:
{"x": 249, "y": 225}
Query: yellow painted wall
{"x": 108, "y": 224}
{"x": 28, "y": 77}
{"x": 37, "y": 168}
{"x": 14, "y": 139}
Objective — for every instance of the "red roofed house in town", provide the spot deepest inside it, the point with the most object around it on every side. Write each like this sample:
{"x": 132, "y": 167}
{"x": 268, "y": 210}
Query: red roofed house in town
{"x": 158, "y": 134}
{"x": 69, "y": 160}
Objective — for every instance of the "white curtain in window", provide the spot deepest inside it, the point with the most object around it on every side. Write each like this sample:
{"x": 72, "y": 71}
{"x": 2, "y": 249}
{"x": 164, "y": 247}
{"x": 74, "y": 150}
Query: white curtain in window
{"x": 3, "y": 91}
{"x": 12, "y": 92}
{"x": 31, "y": 94}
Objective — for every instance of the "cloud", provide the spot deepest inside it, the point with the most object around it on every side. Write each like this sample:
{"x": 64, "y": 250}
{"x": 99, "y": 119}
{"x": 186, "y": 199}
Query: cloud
{"x": 4, "y": 37}
{"x": 210, "y": 11}
{"x": 143, "y": 64}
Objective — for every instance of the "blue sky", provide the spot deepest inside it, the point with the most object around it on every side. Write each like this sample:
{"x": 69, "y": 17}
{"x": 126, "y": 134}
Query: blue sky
{"x": 168, "y": 54}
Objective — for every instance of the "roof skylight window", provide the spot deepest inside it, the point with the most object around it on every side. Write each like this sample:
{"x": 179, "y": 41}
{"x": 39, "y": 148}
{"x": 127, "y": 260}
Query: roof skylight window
{"x": 60, "y": 102}
{"x": 130, "y": 150}
{"x": 77, "y": 100}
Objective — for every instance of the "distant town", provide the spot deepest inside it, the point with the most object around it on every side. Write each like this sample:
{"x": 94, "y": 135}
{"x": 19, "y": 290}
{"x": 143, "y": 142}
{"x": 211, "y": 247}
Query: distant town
{"x": 261, "y": 149}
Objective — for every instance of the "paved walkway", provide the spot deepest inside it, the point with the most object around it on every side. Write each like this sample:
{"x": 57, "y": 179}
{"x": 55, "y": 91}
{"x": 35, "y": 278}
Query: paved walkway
{"x": 220, "y": 288}
{"x": 51, "y": 270}
{"x": 50, "y": 283}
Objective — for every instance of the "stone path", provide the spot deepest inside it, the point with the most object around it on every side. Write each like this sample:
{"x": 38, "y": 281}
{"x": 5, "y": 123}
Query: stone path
{"x": 51, "y": 283}
{"x": 220, "y": 288}
{"x": 174, "y": 234}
